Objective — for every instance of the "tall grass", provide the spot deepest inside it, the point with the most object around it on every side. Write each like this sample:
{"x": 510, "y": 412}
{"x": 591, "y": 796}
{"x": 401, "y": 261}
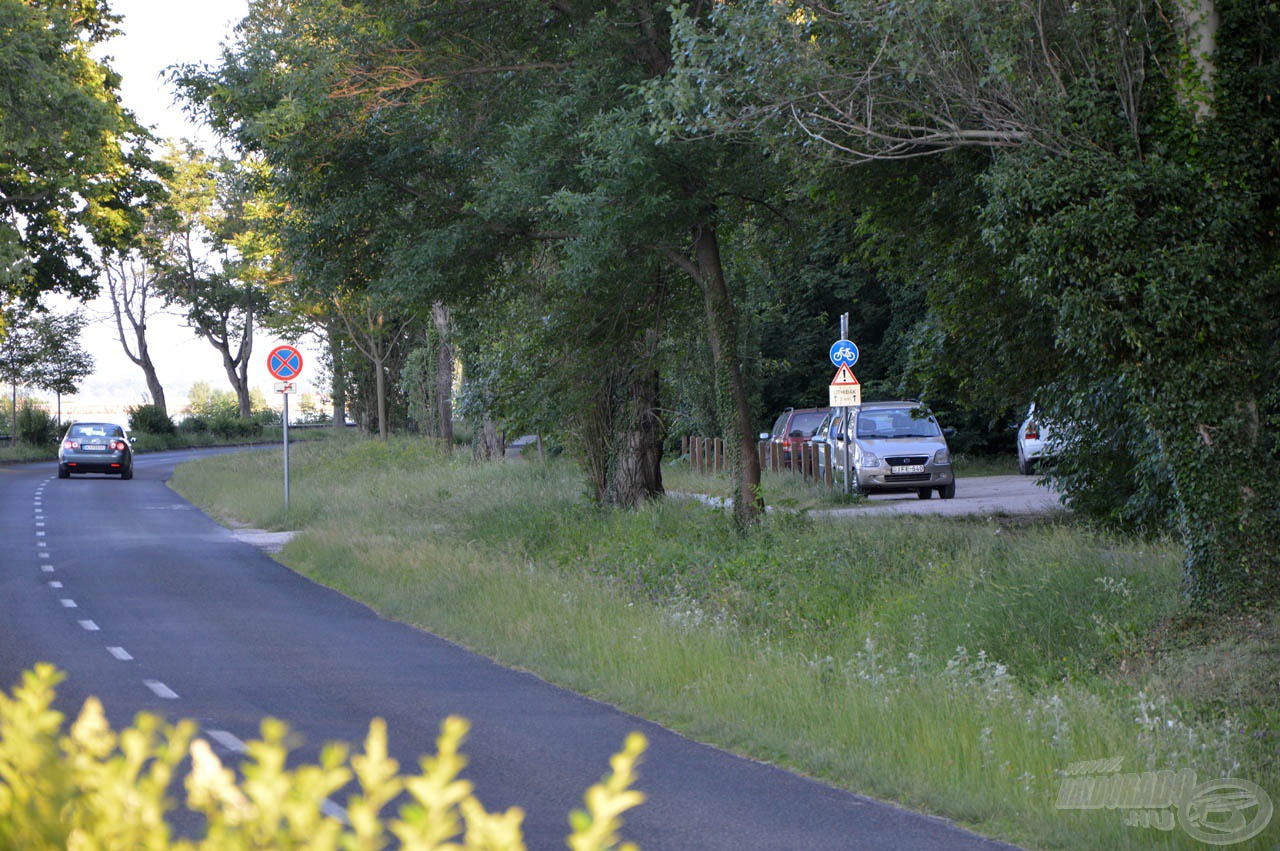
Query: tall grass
{"x": 955, "y": 666}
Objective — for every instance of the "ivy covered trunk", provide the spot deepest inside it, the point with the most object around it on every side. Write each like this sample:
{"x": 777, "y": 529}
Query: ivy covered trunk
{"x": 1224, "y": 481}
{"x": 731, "y": 391}
{"x": 635, "y": 474}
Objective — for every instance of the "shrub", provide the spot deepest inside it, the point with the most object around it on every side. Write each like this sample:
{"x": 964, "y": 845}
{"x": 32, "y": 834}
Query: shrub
{"x": 94, "y": 788}
{"x": 231, "y": 427}
{"x": 266, "y": 417}
{"x": 150, "y": 419}
{"x": 194, "y": 424}
{"x": 36, "y": 426}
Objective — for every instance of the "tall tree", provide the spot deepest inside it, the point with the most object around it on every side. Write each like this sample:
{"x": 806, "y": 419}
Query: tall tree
{"x": 74, "y": 168}
{"x": 198, "y": 245}
{"x": 61, "y": 361}
{"x": 131, "y": 284}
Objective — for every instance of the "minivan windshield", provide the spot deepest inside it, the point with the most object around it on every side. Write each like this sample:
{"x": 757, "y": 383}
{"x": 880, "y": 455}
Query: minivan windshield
{"x": 889, "y": 423}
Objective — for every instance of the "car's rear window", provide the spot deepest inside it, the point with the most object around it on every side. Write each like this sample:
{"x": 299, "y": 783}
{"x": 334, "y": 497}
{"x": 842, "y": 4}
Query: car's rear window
{"x": 88, "y": 430}
{"x": 808, "y": 423}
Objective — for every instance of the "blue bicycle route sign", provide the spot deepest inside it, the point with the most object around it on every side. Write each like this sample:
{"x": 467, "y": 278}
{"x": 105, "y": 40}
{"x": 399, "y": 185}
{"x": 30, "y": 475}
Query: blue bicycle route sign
{"x": 844, "y": 353}
{"x": 284, "y": 362}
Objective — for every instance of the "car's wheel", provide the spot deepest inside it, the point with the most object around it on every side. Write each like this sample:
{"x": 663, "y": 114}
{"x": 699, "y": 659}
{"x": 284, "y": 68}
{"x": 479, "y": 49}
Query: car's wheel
{"x": 947, "y": 491}
{"x": 63, "y": 472}
{"x": 1026, "y": 466}
{"x": 924, "y": 493}
{"x": 127, "y": 474}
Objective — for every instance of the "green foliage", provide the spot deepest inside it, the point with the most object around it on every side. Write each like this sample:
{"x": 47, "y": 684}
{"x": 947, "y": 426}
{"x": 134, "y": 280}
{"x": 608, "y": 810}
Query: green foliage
{"x": 231, "y": 426}
{"x": 73, "y": 164}
{"x": 150, "y": 419}
{"x": 194, "y": 424}
{"x": 91, "y": 787}
{"x": 36, "y": 426}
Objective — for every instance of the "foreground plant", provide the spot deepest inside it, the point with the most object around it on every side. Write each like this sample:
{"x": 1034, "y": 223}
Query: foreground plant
{"x": 93, "y": 788}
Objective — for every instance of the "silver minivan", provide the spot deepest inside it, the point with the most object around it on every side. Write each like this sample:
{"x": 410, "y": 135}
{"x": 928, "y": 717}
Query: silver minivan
{"x": 896, "y": 447}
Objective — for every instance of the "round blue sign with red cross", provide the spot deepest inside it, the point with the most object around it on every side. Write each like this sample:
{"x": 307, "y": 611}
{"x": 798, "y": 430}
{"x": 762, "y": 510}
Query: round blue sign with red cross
{"x": 284, "y": 362}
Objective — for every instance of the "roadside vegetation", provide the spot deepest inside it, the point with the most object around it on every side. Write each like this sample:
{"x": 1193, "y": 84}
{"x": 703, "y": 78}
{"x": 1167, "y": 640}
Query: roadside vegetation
{"x": 956, "y": 666}
{"x": 97, "y": 788}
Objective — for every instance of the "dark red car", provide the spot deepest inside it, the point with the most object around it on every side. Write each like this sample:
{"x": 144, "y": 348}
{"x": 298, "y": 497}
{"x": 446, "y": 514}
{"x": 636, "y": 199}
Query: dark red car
{"x": 794, "y": 429}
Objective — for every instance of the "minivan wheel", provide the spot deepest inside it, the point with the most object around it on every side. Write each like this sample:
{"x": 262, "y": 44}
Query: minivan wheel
{"x": 947, "y": 492}
{"x": 924, "y": 493}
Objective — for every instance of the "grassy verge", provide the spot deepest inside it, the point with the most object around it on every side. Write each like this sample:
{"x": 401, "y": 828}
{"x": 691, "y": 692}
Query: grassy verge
{"x": 21, "y": 453}
{"x": 958, "y": 667}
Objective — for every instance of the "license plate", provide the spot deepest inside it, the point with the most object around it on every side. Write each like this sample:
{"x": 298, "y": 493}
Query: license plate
{"x": 914, "y": 468}
{"x": 95, "y": 447}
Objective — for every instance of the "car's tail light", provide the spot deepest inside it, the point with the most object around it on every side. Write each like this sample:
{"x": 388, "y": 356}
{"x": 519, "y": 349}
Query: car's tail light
{"x": 70, "y": 444}
{"x": 118, "y": 446}
{"x": 1033, "y": 432}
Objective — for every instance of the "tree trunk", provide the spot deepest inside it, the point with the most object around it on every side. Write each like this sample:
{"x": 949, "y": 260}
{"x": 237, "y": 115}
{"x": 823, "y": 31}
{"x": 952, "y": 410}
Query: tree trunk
{"x": 380, "y": 382}
{"x": 1224, "y": 484}
{"x": 442, "y": 318}
{"x": 491, "y": 445}
{"x": 238, "y": 376}
{"x": 636, "y": 472}
{"x": 149, "y": 372}
{"x": 122, "y": 305}
{"x": 731, "y": 392}
{"x": 339, "y": 383}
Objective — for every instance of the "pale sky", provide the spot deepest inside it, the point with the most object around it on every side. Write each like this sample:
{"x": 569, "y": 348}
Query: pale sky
{"x": 156, "y": 35}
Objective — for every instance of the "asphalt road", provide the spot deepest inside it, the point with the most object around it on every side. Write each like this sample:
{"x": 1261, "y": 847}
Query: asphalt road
{"x": 147, "y": 603}
{"x": 979, "y": 495}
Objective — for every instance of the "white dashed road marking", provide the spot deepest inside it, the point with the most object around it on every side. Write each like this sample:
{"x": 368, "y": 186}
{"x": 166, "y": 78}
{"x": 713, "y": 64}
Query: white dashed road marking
{"x": 120, "y": 653}
{"x": 228, "y": 740}
{"x": 89, "y": 626}
{"x": 55, "y": 584}
{"x": 67, "y": 604}
{"x": 161, "y": 690}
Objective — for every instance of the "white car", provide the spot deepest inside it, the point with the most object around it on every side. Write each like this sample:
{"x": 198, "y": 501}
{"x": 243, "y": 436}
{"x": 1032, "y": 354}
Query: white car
{"x": 1033, "y": 437}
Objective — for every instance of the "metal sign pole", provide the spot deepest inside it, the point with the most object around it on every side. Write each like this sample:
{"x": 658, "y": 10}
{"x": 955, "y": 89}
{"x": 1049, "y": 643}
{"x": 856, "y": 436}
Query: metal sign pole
{"x": 844, "y": 411}
{"x": 286, "y": 453}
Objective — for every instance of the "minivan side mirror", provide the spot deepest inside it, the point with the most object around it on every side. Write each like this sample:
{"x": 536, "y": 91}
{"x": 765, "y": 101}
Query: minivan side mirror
{"x": 948, "y": 431}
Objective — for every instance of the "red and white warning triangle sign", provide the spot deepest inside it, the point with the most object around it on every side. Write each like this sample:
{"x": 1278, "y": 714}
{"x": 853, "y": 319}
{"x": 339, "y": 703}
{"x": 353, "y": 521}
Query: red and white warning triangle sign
{"x": 845, "y": 391}
{"x": 844, "y": 377}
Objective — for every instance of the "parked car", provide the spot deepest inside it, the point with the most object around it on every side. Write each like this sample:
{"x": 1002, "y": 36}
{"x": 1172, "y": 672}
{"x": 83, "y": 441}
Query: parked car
{"x": 1033, "y": 437}
{"x": 896, "y": 447}
{"x": 95, "y": 448}
{"x": 793, "y": 430}
{"x": 825, "y": 438}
